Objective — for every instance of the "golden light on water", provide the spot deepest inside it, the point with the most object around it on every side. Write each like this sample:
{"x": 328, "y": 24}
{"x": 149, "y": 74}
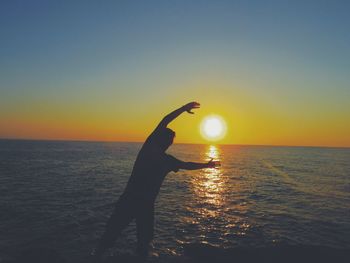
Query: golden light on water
{"x": 218, "y": 198}
{"x": 213, "y": 128}
{"x": 209, "y": 187}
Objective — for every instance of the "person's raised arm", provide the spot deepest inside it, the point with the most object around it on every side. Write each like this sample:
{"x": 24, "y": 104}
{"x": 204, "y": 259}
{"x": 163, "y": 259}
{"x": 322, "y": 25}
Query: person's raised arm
{"x": 196, "y": 166}
{"x": 173, "y": 115}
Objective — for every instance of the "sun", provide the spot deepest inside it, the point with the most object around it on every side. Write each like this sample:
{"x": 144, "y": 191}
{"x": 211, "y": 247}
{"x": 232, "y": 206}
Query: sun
{"x": 213, "y": 128}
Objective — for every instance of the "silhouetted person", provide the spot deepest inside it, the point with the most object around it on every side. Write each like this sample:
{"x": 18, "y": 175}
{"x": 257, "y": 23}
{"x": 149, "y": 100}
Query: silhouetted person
{"x": 137, "y": 202}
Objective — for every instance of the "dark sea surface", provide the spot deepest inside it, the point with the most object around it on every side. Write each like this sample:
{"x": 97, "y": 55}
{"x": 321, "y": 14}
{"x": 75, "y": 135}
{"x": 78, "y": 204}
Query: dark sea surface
{"x": 60, "y": 194}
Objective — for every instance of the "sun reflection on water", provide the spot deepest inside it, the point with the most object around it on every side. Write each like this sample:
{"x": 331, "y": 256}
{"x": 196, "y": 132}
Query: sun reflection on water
{"x": 209, "y": 185}
{"x": 212, "y": 184}
{"x": 212, "y": 188}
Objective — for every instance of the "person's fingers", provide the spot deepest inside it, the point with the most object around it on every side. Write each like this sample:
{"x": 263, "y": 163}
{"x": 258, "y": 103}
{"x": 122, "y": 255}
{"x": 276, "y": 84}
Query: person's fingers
{"x": 195, "y": 104}
{"x": 192, "y": 105}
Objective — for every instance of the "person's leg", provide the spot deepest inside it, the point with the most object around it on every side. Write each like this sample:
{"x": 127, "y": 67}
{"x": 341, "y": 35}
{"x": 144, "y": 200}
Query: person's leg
{"x": 123, "y": 214}
{"x": 144, "y": 228}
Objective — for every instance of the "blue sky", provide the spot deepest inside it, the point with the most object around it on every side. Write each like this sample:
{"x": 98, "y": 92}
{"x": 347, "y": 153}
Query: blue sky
{"x": 293, "y": 55}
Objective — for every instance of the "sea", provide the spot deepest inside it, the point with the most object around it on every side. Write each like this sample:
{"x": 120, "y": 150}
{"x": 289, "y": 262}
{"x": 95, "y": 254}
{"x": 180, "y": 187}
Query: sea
{"x": 59, "y": 194}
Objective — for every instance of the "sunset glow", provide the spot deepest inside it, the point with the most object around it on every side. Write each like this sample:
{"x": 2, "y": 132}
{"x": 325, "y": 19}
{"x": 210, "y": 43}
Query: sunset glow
{"x": 100, "y": 77}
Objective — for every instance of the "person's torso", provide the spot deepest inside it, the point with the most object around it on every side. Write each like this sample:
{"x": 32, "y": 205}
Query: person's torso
{"x": 148, "y": 174}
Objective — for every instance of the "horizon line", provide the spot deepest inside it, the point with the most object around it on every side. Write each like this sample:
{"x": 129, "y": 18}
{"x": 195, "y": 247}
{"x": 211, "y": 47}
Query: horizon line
{"x": 222, "y": 144}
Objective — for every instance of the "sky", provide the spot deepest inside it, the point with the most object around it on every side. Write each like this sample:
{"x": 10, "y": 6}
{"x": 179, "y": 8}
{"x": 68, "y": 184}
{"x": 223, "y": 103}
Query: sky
{"x": 278, "y": 72}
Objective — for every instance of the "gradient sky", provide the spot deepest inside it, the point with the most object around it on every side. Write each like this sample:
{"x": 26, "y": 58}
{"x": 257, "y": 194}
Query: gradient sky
{"x": 277, "y": 71}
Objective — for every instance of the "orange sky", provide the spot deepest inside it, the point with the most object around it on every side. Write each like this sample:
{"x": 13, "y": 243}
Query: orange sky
{"x": 250, "y": 120}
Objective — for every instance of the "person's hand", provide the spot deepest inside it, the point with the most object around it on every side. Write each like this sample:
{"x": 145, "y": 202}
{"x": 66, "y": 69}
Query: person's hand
{"x": 213, "y": 164}
{"x": 190, "y": 106}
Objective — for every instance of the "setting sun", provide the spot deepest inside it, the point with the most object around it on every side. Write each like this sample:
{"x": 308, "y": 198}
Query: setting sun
{"x": 213, "y": 128}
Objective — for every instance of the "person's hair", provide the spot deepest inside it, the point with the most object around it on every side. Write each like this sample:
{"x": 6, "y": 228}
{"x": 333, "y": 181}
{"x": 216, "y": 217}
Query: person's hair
{"x": 165, "y": 139}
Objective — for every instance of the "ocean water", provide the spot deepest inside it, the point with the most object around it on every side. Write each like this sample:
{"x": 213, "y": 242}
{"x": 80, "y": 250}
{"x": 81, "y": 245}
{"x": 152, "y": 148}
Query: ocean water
{"x": 60, "y": 194}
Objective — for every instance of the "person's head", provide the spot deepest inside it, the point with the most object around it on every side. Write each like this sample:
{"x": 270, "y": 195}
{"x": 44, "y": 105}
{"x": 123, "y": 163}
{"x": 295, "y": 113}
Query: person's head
{"x": 165, "y": 139}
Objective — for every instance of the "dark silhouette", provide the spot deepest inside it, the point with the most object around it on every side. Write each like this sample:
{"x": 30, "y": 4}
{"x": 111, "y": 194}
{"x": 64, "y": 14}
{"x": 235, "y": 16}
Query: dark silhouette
{"x": 137, "y": 202}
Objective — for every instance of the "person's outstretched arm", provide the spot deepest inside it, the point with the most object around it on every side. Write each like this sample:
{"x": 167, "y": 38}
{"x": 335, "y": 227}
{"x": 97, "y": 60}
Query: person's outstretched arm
{"x": 196, "y": 166}
{"x": 173, "y": 115}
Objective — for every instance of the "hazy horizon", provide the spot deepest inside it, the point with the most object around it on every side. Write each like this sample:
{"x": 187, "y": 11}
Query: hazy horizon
{"x": 175, "y": 143}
